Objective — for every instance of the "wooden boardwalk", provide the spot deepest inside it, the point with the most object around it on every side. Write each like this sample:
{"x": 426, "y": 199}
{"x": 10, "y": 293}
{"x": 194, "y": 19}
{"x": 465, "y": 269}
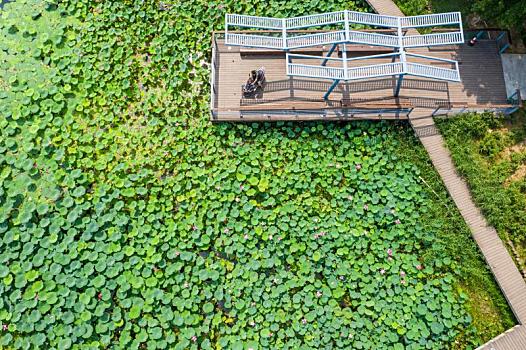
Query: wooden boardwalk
{"x": 482, "y": 85}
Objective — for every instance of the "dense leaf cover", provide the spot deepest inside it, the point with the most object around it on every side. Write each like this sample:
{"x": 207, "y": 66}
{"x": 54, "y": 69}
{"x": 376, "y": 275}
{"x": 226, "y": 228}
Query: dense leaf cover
{"x": 128, "y": 221}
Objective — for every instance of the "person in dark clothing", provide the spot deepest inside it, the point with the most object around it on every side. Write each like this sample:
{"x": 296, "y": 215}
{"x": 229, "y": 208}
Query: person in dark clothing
{"x": 255, "y": 83}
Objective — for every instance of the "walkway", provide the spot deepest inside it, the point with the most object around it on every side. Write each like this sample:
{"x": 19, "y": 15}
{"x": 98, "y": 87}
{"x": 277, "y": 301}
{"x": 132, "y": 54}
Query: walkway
{"x": 500, "y": 262}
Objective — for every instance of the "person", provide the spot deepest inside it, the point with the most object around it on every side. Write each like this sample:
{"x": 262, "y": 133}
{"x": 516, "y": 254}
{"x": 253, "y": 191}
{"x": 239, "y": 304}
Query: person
{"x": 473, "y": 41}
{"x": 255, "y": 83}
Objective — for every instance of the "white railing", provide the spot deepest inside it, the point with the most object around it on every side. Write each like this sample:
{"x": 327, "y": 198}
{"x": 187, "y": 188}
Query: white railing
{"x": 254, "y": 21}
{"x": 323, "y": 72}
{"x": 439, "y": 19}
{"x": 342, "y": 72}
{"x": 372, "y": 19}
{"x": 315, "y": 39}
{"x": 251, "y": 40}
{"x": 373, "y": 38}
{"x": 426, "y": 71}
{"x": 345, "y": 18}
{"x": 315, "y": 20}
{"x": 282, "y": 40}
{"x": 373, "y": 71}
{"x": 433, "y": 39}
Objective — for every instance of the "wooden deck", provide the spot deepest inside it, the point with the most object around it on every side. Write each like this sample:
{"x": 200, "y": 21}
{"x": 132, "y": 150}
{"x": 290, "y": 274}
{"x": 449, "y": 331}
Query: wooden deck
{"x": 295, "y": 98}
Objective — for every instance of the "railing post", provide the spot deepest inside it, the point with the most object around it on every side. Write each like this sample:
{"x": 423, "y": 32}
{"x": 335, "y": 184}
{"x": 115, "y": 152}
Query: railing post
{"x": 346, "y": 14}
{"x": 226, "y": 27}
{"x": 284, "y": 33}
{"x": 402, "y": 58}
{"x": 344, "y": 58}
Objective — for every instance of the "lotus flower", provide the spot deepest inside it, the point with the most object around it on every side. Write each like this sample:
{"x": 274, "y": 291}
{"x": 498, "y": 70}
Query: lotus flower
{"x": 177, "y": 253}
{"x": 419, "y": 267}
{"x": 402, "y": 273}
{"x": 390, "y": 252}
{"x": 304, "y": 321}
{"x": 365, "y": 207}
{"x": 358, "y": 166}
{"x": 318, "y": 294}
{"x": 402, "y": 281}
{"x": 270, "y": 237}
{"x": 4, "y": 327}
{"x": 398, "y": 222}
{"x": 99, "y": 296}
{"x": 382, "y": 271}
{"x": 245, "y": 236}
{"x": 194, "y": 338}
{"x": 194, "y": 227}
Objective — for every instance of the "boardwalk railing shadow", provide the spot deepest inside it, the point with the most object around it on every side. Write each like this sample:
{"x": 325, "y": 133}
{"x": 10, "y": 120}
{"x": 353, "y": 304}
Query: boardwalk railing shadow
{"x": 345, "y": 90}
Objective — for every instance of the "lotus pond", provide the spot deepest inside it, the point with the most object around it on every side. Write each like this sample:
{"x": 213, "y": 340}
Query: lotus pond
{"x": 128, "y": 221}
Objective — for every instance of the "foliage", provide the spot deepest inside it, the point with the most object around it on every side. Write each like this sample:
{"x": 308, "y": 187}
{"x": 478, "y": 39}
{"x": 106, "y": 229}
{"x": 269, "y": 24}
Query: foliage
{"x": 488, "y": 173}
{"x": 129, "y": 221}
{"x": 414, "y": 7}
{"x": 493, "y": 143}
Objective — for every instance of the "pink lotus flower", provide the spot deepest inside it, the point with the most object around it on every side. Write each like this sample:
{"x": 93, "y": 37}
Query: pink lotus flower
{"x": 358, "y": 166}
{"x": 390, "y": 252}
{"x": 419, "y": 267}
{"x": 226, "y": 230}
{"x": 99, "y": 296}
{"x": 398, "y": 222}
{"x": 402, "y": 281}
{"x": 389, "y": 258}
{"x": 304, "y": 321}
{"x": 270, "y": 237}
{"x": 280, "y": 238}
{"x": 4, "y": 327}
{"x": 402, "y": 273}
{"x": 245, "y": 236}
{"x": 342, "y": 278}
{"x": 194, "y": 338}
{"x": 177, "y": 253}
{"x": 365, "y": 207}
{"x": 382, "y": 271}
{"x": 241, "y": 187}
{"x": 318, "y": 294}
{"x": 194, "y": 227}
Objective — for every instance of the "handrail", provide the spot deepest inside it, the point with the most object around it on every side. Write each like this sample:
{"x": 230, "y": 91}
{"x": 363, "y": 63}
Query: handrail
{"x": 285, "y": 26}
{"x": 283, "y": 40}
{"x": 369, "y": 71}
